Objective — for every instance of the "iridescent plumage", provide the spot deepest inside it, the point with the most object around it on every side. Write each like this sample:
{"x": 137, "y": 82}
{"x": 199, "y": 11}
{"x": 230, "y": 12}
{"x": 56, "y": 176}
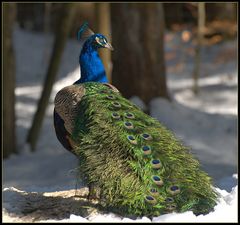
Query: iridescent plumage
{"x": 139, "y": 165}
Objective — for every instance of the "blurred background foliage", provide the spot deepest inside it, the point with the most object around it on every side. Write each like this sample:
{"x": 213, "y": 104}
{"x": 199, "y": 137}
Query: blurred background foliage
{"x": 220, "y": 17}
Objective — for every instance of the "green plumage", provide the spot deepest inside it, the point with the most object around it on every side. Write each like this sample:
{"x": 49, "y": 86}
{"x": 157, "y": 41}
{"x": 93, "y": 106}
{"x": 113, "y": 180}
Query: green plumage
{"x": 138, "y": 164}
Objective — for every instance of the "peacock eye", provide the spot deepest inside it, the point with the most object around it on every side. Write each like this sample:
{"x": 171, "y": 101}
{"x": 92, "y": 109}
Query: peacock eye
{"x": 146, "y": 136}
{"x": 129, "y": 115}
{"x": 128, "y": 125}
{"x": 110, "y": 97}
{"x": 116, "y": 104}
{"x": 172, "y": 207}
{"x": 174, "y": 190}
{"x": 150, "y": 199}
{"x": 115, "y": 115}
{"x": 132, "y": 139}
{"x": 156, "y": 164}
{"x": 169, "y": 200}
{"x": 154, "y": 192}
{"x": 157, "y": 180}
{"x": 146, "y": 150}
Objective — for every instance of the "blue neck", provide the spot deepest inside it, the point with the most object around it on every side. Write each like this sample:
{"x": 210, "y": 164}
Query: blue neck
{"x": 91, "y": 66}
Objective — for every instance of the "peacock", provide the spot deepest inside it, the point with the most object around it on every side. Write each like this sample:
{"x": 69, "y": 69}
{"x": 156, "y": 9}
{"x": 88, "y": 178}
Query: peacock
{"x": 137, "y": 165}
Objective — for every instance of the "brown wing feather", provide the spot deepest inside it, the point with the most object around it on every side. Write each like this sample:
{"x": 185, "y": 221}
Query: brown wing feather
{"x": 66, "y": 102}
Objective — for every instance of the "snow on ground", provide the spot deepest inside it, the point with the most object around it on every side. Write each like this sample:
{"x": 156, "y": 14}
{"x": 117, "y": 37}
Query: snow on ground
{"x": 207, "y": 123}
{"x": 20, "y": 206}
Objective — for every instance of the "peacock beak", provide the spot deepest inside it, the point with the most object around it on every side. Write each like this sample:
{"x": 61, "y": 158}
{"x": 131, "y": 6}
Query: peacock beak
{"x": 109, "y": 46}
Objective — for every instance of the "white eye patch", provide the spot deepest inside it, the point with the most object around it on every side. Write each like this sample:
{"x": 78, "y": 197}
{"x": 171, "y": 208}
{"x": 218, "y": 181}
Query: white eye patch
{"x": 101, "y": 41}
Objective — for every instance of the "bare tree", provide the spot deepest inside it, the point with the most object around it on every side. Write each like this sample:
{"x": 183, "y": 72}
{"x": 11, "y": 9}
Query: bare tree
{"x": 64, "y": 26}
{"x": 138, "y": 58}
{"x": 46, "y": 30}
{"x": 9, "y": 136}
{"x": 200, "y": 33}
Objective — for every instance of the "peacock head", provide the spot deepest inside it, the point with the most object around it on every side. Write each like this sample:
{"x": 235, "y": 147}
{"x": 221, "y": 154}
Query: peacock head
{"x": 95, "y": 40}
{"x": 100, "y": 41}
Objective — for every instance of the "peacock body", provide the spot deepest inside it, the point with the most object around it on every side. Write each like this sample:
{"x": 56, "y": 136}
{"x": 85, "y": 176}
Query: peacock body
{"x": 138, "y": 164}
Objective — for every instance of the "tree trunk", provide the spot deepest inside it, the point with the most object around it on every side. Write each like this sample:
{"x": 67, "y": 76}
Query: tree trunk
{"x": 201, "y": 24}
{"x": 46, "y": 30}
{"x": 60, "y": 41}
{"x": 9, "y": 136}
{"x": 102, "y": 11}
{"x": 138, "y": 58}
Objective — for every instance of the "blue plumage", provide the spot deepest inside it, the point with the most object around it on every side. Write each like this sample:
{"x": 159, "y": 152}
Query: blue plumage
{"x": 91, "y": 66}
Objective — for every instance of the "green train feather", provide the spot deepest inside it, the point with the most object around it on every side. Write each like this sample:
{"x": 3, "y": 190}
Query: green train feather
{"x": 140, "y": 167}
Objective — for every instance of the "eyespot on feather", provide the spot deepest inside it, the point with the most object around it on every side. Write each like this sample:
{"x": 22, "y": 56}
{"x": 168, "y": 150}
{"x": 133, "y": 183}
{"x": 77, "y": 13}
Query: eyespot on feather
{"x": 154, "y": 192}
{"x": 115, "y": 115}
{"x": 132, "y": 139}
{"x": 171, "y": 207}
{"x": 173, "y": 190}
{"x": 129, "y": 115}
{"x": 103, "y": 91}
{"x": 156, "y": 164}
{"x": 116, "y": 104}
{"x": 146, "y": 136}
{"x": 146, "y": 150}
{"x": 169, "y": 200}
{"x": 150, "y": 199}
{"x": 157, "y": 180}
{"x": 128, "y": 125}
{"x": 110, "y": 97}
